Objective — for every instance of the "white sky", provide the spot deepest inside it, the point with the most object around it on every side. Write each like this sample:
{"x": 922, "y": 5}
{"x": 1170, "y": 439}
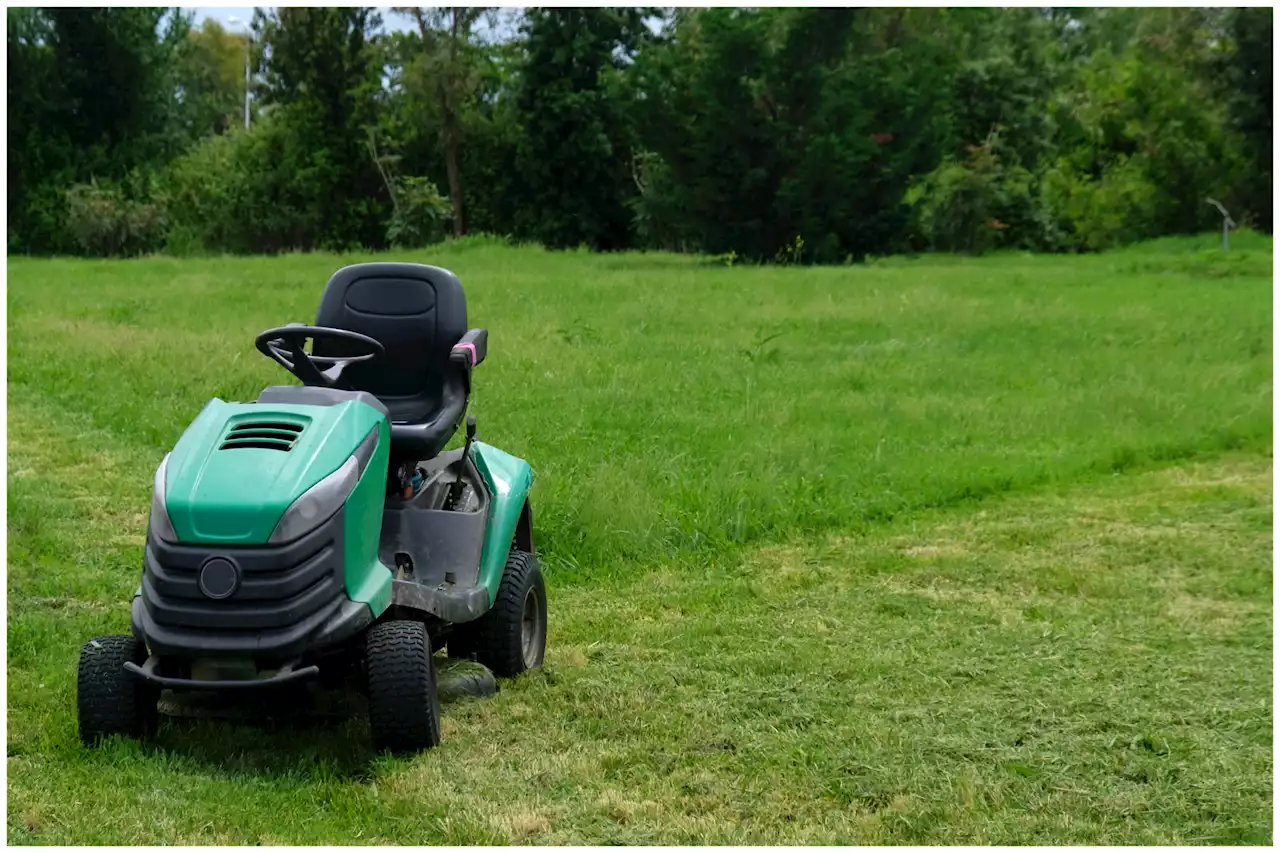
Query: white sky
{"x": 390, "y": 20}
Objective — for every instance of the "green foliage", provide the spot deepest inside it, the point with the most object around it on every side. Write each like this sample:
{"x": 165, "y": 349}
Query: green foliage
{"x": 657, "y": 217}
{"x": 421, "y": 214}
{"x": 978, "y": 204}
{"x": 322, "y": 84}
{"x": 447, "y": 74}
{"x": 575, "y": 172}
{"x": 1146, "y": 143}
{"x": 237, "y": 193}
{"x": 853, "y": 132}
{"x": 782, "y": 122}
{"x": 254, "y": 192}
{"x": 1003, "y": 83}
{"x": 90, "y": 95}
{"x": 1099, "y": 213}
{"x": 110, "y": 219}
{"x": 410, "y": 122}
{"x": 211, "y": 66}
{"x": 203, "y": 192}
{"x": 1244, "y": 72}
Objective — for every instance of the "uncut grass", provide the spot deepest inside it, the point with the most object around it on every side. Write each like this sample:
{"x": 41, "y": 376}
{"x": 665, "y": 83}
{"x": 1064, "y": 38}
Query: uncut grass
{"x": 1086, "y": 664}
{"x": 673, "y": 409}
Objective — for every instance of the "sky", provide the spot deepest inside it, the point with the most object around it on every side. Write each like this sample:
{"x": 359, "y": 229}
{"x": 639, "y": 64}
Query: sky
{"x": 390, "y": 20}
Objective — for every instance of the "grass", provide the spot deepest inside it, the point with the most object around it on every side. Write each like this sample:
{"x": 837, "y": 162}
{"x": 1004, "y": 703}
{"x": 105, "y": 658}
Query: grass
{"x": 924, "y": 551}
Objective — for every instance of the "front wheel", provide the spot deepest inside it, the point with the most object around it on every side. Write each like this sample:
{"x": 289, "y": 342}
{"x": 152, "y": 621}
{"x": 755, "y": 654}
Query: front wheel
{"x": 404, "y": 708}
{"x": 110, "y": 701}
{"x": 512, "y": 637}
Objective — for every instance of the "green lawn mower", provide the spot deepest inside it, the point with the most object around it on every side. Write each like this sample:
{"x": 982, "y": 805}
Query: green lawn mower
{"x": 321, "y": 532}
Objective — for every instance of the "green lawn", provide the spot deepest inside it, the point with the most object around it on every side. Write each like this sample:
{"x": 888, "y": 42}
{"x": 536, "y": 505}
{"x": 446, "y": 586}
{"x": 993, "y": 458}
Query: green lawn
{"x": 924, "y": 551}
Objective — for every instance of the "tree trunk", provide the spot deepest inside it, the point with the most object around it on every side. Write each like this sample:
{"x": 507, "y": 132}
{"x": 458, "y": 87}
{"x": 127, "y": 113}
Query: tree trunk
{"x": 451, "y": 166}
{"x": 446, "y": 89}
{"x": 450, "y": 93}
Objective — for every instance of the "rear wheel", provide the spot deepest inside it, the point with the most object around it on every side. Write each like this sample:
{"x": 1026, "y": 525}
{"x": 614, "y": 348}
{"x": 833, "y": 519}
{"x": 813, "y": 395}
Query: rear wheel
{"x": 110, "y": 701}
{"x": 512, "y": 637}
{"x": 404, "y": 709}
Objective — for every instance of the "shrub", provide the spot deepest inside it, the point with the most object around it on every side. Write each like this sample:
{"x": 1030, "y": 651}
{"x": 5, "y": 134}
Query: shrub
{"x": 116, "y": 219}
{"x": 1116, "y": 209}
{"x": 244, "y": 192}
{"x": 977, "y": 205}
{"x": 201, "y": 192}
{"x": 422, "y": 215}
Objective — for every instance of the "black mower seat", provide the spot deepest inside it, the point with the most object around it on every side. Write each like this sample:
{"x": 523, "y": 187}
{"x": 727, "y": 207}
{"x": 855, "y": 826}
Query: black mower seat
{"x": 418, "y": 313}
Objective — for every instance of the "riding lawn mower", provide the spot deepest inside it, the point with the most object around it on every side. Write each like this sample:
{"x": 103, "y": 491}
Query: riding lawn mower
{"x": 322, "y": 530}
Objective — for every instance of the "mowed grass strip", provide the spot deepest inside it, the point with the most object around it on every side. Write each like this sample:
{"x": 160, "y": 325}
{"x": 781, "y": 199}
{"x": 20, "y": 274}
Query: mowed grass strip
{"x": 671, "y": 408}
{"x": 1080, "y": 665}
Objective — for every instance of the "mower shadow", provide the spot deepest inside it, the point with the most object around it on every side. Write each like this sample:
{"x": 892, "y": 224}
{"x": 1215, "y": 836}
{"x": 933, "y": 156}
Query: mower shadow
{"x": 289, "y": 734}
{"x": 305, "y": 731}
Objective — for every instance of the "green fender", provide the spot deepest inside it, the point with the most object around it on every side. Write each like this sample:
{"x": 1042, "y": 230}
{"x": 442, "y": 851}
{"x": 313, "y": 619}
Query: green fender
{"x": 367, "y": 579}
{"x": 509, "y": 479}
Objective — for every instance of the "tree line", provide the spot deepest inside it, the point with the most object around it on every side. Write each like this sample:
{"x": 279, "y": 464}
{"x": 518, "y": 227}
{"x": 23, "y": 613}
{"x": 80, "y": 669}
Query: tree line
{"x": 774, "y": 134}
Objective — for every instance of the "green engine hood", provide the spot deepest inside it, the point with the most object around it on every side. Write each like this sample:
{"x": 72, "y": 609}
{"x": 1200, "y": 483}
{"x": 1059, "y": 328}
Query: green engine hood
{"x": 239, "y": 466}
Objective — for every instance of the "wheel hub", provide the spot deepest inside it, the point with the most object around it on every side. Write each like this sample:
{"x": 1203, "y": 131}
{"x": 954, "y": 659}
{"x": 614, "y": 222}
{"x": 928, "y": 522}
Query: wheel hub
{"x": 530, "y": 629}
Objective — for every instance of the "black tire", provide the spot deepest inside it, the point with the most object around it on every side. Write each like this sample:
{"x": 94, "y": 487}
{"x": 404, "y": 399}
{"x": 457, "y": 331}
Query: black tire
{"x": 110, "y": 701}
{"x": 512, "y": 637}
{"x": 404, "y": 709}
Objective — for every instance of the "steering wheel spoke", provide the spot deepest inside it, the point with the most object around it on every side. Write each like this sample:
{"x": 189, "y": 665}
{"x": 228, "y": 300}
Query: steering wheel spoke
{"x": 287, "y": 346}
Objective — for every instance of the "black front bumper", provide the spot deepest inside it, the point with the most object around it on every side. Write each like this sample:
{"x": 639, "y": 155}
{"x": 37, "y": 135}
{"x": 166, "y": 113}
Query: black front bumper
{"x": 288, "y": 599}
{"x": 151, "y": 671}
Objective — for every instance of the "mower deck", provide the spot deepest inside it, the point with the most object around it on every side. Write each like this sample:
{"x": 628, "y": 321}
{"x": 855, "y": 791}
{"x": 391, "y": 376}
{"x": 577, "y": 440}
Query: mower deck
{"x": 455, "y": 679}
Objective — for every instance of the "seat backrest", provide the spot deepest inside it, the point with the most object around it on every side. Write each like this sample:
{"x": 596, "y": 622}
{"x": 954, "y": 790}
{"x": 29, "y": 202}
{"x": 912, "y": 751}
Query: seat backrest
{"x": 417, "y": 312}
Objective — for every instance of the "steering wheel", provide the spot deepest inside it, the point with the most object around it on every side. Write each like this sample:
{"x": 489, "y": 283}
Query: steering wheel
{"x": 286, "y": 343}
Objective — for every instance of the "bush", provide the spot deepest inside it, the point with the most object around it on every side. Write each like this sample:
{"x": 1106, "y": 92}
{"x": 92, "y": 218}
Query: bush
{"x": 657, "y": 216}
{"x": 116, "y": 219}
{"x": 244, "y": 192}
{"x": 422, "y": 215}
{"x": 978, "y": 205}
{"x": 1116, "y": 209}
{"x": 268, "y": 190}
{"x": 200, "y": 187}
{"x": 39, "y": 222}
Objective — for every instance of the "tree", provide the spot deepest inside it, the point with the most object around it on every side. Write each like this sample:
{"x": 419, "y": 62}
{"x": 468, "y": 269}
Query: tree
{"x": 117, "y": 68}
{"x": 322, "y": 83}
{"x": 41, "y": 154}
{"x": 1142, "y": 140}
{"x": 793, "y": 132}
{"x": 1244, "y": 76}
{"x": 211, "y": 79}
{"x": 451, "y": 68}
{"x": 91, "y": 95}
{"x": 574, "y": 157}
{"x": 801, "y": 134}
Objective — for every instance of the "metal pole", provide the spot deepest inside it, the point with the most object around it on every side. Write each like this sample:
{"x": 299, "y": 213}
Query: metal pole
{"x": 248, "y": 59}
{"x": 248, "y": 51}
{"x": 1227, "y": 223}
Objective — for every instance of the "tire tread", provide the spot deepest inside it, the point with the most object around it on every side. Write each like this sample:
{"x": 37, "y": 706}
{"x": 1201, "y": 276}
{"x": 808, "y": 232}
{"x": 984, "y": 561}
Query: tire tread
{"x": 495, "y": 638}
{"x": 110, "y": 701}
{"x": 404, "y": 708}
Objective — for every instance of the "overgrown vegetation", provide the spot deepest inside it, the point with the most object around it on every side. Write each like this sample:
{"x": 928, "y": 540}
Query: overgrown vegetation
{"x": 932, "y": 551}
{"x": 848, "y": 132}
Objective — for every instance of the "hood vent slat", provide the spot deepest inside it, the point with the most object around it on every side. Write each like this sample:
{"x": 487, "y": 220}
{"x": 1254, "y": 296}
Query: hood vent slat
{"x": 262, "y": 435}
